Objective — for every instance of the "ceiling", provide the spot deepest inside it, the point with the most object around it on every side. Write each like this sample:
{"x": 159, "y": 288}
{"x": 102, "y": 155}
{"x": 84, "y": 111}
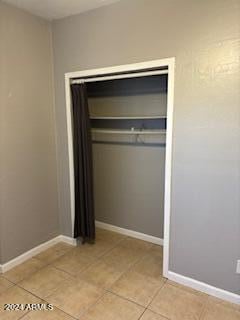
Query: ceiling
{"x": 55, "y": 9}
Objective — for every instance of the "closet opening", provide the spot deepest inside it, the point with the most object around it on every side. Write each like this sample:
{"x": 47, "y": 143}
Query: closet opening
{"x": 130, "y": 117}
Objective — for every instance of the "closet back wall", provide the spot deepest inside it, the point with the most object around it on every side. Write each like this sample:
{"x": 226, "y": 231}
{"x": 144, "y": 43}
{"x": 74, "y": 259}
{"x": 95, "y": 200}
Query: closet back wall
{"x": 129, "y": 179}
{"x": 28, "y": 173}
{"x": 204, "y": 37}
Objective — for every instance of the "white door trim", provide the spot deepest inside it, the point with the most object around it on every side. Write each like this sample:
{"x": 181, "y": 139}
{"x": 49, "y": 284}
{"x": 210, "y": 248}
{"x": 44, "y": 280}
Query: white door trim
{"x": 170, "y": 64}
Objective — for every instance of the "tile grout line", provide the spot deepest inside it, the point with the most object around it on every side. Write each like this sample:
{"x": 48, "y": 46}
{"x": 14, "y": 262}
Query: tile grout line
{"x": 87, "y": 309}
{"x": 64, "y": 254}
{"x": 40, "y": 268}
{"x": 158, "y": 314}
{"x": 115, "y": 246}
{"x": 109, "y": 251}
{"x": 157, "y": 293}
{"x": 74, "y": 276}
{"x": 154, "y": 298}
{"x": 125, "y": 298}
{"x": 196, "y": 293}
{"x": 127, "y": 270}
{"x": 92, "y": 305}
{"x": 13, "y": 283}
{"x": 202, "y": 315}
{"x": 43, "y": 300}
{"x": 97, "y": 259}
{"x": 29, "y": 275}
{"x": 51, "y": 265}
{"x": 142, "y": 313}
{"x": 61, "y": 256}
{"x": 24, "y": 315}
{"x": 123, "y": 273}
{"x": 55, "y": 307}
{"x": 36, "y": 271}
{"x": 108, "y": 290}
{"x": 105, "y": 290}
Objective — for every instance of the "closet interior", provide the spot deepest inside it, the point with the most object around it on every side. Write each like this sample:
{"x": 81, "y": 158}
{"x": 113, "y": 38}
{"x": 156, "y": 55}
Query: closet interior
{"x": 128, "y": 124}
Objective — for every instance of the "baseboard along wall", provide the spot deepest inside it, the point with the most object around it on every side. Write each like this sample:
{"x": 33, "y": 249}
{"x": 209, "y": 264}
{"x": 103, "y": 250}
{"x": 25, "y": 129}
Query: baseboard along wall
{"x": 130, "y": 233}
{"x": 204, "y": 287}
{"x": 194, "y": 284}
{"x": 186, "y": 281}
{"x": 33, "y": 252}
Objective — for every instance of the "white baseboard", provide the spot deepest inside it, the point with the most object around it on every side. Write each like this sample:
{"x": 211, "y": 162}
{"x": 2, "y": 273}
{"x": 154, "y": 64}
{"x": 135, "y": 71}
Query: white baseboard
{"x": 130, "y": 233}
{"x": 33, "y": 252}
{"x": 203, "y": 287}
{"x": 68, "y": 240}
{"x": 197, "y": 285}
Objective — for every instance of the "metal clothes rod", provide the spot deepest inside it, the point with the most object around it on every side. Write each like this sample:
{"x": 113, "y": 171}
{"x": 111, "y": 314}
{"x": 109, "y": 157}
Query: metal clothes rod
{"x": 120, "y": 76}
{"x": 126, "y": 118}
{"x": 136, "y": 144}
{"x": 129, "y": 132}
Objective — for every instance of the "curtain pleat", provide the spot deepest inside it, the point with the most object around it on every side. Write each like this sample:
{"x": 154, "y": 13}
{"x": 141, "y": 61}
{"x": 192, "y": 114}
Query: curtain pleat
{"x": 84, "y": 224}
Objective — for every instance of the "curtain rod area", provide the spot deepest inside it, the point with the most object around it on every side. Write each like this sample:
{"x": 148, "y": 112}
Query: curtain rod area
{"x": 119, "y": 76}
{"x": 129, "y": 132}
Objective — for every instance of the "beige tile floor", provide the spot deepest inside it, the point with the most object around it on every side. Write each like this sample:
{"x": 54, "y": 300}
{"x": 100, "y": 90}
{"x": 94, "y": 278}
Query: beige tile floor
{"x": 118, "y": 278}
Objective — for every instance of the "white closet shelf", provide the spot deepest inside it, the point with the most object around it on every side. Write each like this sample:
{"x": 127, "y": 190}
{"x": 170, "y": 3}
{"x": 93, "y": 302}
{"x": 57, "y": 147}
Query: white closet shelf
{"x": 129, "y": 132}
{"x": 126, "y": 118}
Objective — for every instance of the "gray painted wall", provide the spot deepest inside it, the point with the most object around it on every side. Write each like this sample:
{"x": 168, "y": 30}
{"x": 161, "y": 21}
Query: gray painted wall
{"x": 204, "y": 36}
{"x": 28, "y": 183}
{"x": 129, "y": 187}
{"x": 129, "y": 179}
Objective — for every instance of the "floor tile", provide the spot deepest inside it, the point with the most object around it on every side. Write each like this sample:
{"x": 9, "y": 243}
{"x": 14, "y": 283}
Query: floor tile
{"x": 109, "y": 236}
{"x": 4, "y": 284}
{"x": 98, "y": 249}
{"x": 43, "y": 282}
{"x": 101, "y": 274}
{"x": 224, "y": 303}
{"x": 74, "y": 262}
{"x": 121, "y": 258}
{"x": 150, "y": 265}
{"x": 15, "y": 295}
{"x": 76, "y": 278}
{"x": 219, "y": 311}
{"x": 156, "y": 250}
{"x": 177, "y": 304}
{"x": 111, "y": 307}
{"x": 75, "y": 296}
{"x": 137, "y": 287}
{"x": 54, "y": 252}
{"x": 24, "y": 270}
{"x": 135, "y": 244}
{"x": 55, "y": 314}
{"x": 175, "y": 284}
{"x": 150, "y": 315}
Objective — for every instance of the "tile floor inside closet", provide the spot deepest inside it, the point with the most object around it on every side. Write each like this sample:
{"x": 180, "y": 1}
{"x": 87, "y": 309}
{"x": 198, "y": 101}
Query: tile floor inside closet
{"x": 118, "y": 278}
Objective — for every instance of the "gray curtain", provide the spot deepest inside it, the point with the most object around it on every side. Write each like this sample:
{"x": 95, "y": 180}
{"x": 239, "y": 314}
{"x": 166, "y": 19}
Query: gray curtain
{"x": 84, "y": 224}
